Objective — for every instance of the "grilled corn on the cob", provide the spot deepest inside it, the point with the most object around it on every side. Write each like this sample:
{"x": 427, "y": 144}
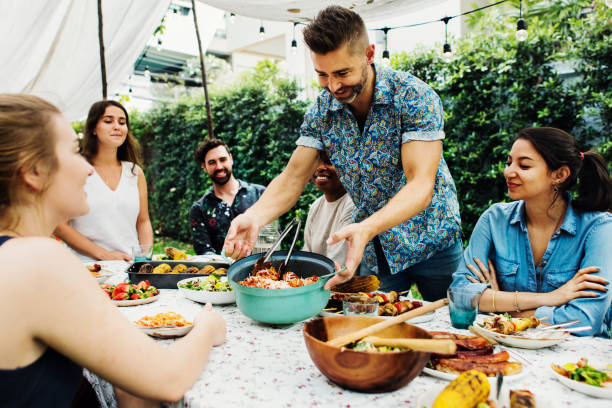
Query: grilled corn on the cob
{"x": 175, "y": 254}
{"x": 180, "y": 268}
{"x": 162, "y": 268}
{"x": 469, "y": 389}
{"x": 368, "y": 283}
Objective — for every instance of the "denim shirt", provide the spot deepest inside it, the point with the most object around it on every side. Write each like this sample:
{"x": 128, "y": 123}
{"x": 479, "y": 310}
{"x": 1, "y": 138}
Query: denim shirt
{"x": 584, "y": 239}
{"x": 369, "y": 163}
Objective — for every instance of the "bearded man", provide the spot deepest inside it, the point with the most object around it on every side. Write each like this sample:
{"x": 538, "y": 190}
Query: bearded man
{"x": 211, "y": 215}
{"x": 383, "y": 131}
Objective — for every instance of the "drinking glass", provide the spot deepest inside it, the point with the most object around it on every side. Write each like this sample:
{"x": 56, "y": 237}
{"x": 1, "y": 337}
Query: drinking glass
{"x": 142, "y": 252}
{"x": 463, "y": 307}
{"x": 357, "y": 305}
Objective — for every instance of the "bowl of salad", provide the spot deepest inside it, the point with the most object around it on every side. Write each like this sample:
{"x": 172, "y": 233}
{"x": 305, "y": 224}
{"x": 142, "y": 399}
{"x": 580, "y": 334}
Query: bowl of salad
{"x": 213, "y": 288}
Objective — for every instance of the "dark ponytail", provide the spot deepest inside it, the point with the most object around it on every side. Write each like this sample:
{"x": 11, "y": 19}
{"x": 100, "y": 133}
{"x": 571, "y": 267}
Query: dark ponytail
{"x": 589, "y": 176}
{"x": 594, "y": 184}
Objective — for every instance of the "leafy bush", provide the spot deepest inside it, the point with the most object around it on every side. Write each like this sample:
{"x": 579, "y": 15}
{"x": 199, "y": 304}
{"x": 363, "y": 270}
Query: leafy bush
{"x": 258, "y": 118}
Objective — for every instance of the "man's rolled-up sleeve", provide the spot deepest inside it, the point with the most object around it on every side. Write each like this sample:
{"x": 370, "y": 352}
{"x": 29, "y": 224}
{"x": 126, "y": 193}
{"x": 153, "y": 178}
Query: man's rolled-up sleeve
{"x": 422, "y": 116}
{"x": 309, "y": 130}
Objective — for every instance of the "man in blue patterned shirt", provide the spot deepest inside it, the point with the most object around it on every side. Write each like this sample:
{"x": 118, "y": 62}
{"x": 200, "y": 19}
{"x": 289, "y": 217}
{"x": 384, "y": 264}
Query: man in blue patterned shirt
{"x": 211, "y": 215}
{"x": 382, "y": 130}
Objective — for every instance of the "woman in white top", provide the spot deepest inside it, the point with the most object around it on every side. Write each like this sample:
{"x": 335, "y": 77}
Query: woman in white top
{"x": 118, "y": 217}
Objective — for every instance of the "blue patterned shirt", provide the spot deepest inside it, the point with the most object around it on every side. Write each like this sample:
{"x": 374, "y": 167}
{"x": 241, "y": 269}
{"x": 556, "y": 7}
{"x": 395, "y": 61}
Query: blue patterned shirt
{"x": 369, "y": 163}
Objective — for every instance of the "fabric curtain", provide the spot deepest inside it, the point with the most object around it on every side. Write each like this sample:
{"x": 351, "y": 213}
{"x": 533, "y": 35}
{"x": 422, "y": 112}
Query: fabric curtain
{"x": 50, "y": 47}
{"x": 304, "y": 10}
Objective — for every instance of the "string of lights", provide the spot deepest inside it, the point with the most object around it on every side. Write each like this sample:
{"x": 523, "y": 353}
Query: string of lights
{"x": 447, "y": 54}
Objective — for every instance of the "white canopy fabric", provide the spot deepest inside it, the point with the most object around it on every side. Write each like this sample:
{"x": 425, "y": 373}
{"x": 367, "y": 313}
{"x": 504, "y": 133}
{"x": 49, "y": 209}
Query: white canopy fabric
{"x": 305, "y": 10}
{"x": 50, "y": 47}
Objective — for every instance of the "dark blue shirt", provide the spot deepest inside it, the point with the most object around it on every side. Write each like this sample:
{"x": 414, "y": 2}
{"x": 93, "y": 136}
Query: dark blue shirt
{"x": 210, "y": 217}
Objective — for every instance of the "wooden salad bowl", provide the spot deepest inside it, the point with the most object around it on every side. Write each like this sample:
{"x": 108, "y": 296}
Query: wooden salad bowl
{"x": 358, "y": 370}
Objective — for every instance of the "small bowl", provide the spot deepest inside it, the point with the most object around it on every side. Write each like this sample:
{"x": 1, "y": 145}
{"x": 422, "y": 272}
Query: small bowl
{"x": 204, "y": 296}
{"x": 359, "y": 370}
{"x": 356, "y": 305}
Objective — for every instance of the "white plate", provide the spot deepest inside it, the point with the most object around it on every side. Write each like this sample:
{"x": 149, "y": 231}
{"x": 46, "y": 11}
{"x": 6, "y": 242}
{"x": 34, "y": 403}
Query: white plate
{"x": 135, "y": 302}
{"x": 492, "y": 380}
{"x": 528, "y": 339}
{"x": 202, "y": 296}
{"x": 588, "y": 389}
{"x": 419, "y": 319}
{"x": 166, "y": 332}
{"x": 103, "y": 273}
{"x": 427, "y": 399}
{"x": 102, "y": 276}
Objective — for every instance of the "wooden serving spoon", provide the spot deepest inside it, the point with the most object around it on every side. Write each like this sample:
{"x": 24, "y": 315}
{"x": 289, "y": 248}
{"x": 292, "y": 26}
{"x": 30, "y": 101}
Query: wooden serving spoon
{"x": 425, "y": 345}
{"x": 367, "y": 331}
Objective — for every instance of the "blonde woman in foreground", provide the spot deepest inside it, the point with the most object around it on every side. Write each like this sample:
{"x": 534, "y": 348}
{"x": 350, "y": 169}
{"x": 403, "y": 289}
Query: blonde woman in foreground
{"x": 61, "y": 321}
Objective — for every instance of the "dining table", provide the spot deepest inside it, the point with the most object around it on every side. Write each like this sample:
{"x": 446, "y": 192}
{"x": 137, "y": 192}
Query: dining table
{"x": 263, "y": 365}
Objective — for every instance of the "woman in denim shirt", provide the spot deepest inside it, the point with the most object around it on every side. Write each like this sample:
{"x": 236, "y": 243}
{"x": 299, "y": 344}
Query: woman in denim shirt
{"x": 547, "y": 254}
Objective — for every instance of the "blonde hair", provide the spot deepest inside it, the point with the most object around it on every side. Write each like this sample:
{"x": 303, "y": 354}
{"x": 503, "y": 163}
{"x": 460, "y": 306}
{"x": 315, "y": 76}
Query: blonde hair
{"x": 26, "y": 140}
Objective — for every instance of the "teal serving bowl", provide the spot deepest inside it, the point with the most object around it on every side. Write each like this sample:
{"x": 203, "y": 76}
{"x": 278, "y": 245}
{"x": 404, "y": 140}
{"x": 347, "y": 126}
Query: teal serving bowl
{"x": 282, "y": 306}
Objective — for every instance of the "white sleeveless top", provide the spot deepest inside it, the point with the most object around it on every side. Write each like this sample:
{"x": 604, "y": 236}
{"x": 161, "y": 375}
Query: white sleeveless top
{"x": 111, "y": 220}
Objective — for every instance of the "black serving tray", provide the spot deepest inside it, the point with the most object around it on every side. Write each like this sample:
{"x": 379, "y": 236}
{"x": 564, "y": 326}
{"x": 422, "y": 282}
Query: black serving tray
{"x": 168, "y": 280}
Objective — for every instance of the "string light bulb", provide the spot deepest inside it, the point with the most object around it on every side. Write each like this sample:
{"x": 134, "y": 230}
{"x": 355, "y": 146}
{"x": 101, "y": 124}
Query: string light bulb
{"x": 521, "y": 30}
{"x": 159, "y": 43}
{"x": 232, "y": 18}
{"x": 447, "y": 52}
{"x": 521, "y": 25}
{"x": 294, "y": 42}
{"x": 385, "y": 54}
{"x": 147, "y": 73}
{"x": 262, "y": 31}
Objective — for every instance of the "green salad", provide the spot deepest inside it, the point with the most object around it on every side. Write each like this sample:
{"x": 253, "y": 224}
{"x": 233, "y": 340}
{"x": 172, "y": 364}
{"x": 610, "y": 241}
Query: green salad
{"x": 586, "y": 374}
{"x": 365, "y": 346}
{"x": 212, "y": 283}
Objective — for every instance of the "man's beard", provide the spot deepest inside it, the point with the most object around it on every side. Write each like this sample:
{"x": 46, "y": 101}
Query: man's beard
{"x": 356, "y": 90}
{"x": 223, "y": 180}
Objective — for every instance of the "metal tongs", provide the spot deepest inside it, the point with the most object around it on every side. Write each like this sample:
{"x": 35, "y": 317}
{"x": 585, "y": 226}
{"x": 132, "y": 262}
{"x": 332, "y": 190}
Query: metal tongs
{"x": 261, "y": 262}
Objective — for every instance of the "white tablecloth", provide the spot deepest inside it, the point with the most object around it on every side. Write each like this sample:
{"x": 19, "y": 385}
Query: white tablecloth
{"x": 269, "y": 366}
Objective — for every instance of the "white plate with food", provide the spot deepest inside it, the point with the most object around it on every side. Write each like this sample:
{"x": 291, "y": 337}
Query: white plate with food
{"x": 135, "y": 302}
{"x": 215, "y": 290}
{"x": 426, "y": 400}
{"x": 603, "y": 391}
{"x": 529, "y": 338}
{"x": 98, "y": 271}
{"x": 164, "y": 325}
{"x": 443, "y": 375}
